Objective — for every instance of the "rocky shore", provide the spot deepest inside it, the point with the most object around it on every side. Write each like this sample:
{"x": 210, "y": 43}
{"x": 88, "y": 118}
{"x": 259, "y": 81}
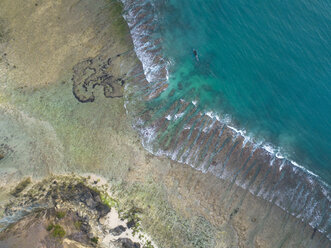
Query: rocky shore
{"x": 69, "y": 211}
{"x": 62, "y": 112}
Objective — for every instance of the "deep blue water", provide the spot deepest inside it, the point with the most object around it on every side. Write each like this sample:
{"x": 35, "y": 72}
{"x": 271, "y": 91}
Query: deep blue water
{"x": 264, "y": 65}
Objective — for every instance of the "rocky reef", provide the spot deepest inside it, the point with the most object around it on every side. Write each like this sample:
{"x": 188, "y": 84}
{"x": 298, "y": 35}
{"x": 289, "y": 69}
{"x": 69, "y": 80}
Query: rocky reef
{"x": 95, "y": 72}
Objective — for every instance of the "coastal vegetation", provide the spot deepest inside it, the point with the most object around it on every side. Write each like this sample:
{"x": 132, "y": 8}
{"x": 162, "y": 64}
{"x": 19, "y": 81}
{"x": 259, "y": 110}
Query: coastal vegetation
{"x": 60, "y": 214}
{"x": 57, "y": 230}
{"x": 64, "y": 144}
{"x": 76, "y": 205}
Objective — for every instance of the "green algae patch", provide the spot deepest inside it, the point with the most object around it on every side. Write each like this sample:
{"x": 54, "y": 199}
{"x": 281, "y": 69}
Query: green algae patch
{"x": 20, "y": 187}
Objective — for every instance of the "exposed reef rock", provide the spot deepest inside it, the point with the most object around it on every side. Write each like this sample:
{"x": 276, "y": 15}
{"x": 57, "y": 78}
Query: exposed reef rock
{"x": 20, "y": 187}
{"x": 94, "y": 72}
{"x": 4, "y": 151}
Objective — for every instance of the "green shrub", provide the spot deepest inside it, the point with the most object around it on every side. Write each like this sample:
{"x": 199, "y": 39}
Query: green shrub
{"x": 78, "y": 224}
{"x": 148, "y": 244}
{"x": 50, "y": 227}
{"x": 95, "y": 240}
{"x": 58, "y": 231}
{"x": 60, "y": 214}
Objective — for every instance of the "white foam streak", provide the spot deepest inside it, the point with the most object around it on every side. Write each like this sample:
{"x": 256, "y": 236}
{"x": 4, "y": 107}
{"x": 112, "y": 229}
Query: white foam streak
{"x": 178, "y": 116}
{"x": 157, "y": 72}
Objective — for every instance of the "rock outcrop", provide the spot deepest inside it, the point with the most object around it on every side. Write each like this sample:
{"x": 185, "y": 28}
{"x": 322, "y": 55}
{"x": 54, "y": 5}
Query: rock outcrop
{"x": 66, "y": 212}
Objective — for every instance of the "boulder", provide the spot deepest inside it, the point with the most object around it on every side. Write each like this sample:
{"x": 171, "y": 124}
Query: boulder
{"x": 127, "y": 243}
{"x": 117, "y": 230}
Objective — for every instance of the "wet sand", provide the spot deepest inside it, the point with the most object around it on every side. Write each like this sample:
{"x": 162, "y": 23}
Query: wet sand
{"x": 49, "y": 126}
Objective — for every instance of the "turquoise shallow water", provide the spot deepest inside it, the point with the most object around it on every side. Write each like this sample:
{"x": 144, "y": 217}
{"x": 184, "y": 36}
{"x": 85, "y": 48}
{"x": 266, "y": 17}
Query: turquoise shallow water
{"x": 263, "y": 68}
{"x": 263, "y": 65}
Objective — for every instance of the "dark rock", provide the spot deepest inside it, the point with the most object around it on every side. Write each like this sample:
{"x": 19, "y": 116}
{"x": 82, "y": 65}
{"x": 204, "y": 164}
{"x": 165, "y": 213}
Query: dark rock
{"x": 131, "y": 224}
{"x": 117, "y": 230}
{"x": 97, "y": 198}
{"x": 80, "y": 186}
{"x": 85, "y": 195}
{"x": 94, "y": 194}
{"x": 103, "y": 209}
{"x": 234, "y": 212}
{"x": 85, "y": 227}
{"x": 127, "y": 243}
{"x": 91, "y": 203}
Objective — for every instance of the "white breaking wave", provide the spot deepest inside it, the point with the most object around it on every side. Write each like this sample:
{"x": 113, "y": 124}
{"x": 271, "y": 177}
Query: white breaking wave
{"x": 143, "y": 48}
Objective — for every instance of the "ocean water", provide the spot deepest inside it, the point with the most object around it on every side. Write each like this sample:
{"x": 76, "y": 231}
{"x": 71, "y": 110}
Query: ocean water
{"x": 254, "y": 108}
{"x": 266, "y": 65}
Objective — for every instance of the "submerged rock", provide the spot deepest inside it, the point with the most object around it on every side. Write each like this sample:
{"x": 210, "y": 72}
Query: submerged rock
{"x": 93, "y": 73}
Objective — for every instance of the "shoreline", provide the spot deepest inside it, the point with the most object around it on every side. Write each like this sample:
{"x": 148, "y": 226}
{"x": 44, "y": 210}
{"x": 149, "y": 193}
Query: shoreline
{"x": 142, "y": 26}
{"x": 77, "y": 210}
{"x": 48, "y": 131}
